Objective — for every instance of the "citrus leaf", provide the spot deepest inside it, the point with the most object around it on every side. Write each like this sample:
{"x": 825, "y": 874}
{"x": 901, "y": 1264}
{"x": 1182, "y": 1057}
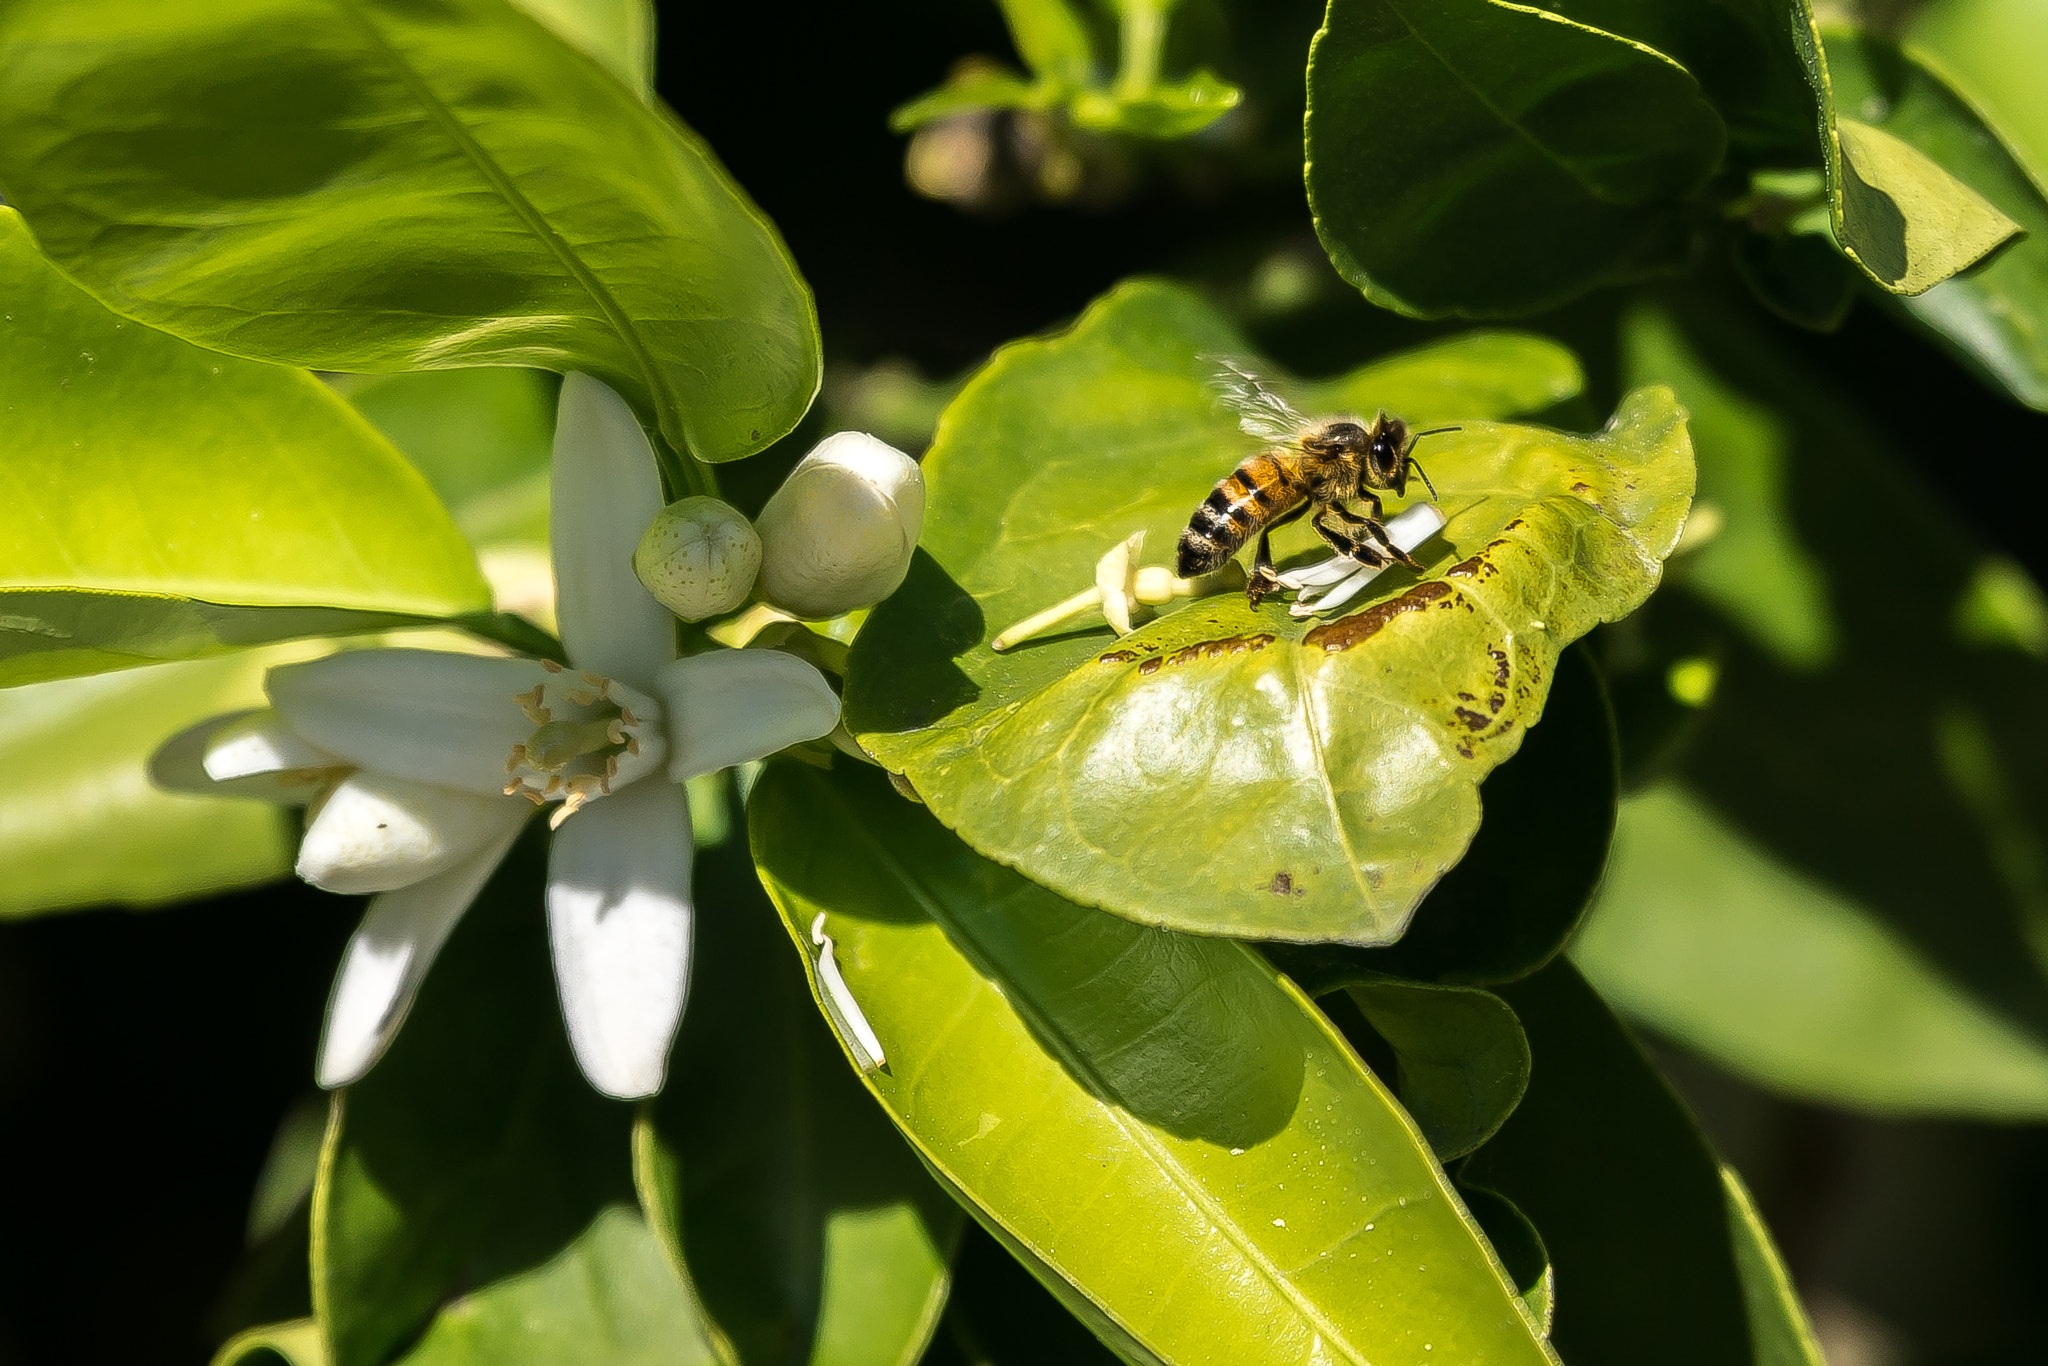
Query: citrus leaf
{"x": 1463, "y": 1061}
{"x": 1996, "y": 311}
{"x": 163, "y": 501}
{"x": 619, "y": 34}
{"x": 811, "y": 1231}
{"x": 1628, "y": 1196}
{"x": 1226, "y": 769}
{"x": 1170, "y": 1131}
{"x": 297, "y": 1343}
{"x": 372, "y": 185}
{"x": 1897, "y": 212}
{"x": 81, "y": 823}
{"x": 1493, "y": 158}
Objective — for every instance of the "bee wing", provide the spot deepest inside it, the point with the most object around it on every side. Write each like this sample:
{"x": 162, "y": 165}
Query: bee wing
{"x": 1260, "y": 412}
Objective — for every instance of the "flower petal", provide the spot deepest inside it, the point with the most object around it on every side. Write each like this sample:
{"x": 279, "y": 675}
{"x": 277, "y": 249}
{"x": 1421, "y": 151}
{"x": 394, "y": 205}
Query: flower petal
{"x": 840, "y": 532}
{"x": 606, "y": 490}
{"x": 429, "y": 715}
{"x": 376, "y": 833}
{"x": 388, "y": 957}
{"x": 725, "y": 707}
{"x": 179, "y": 763}
{"x": 619, "y": 917}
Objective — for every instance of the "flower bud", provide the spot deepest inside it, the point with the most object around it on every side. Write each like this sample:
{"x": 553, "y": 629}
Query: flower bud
{"x": 840, "y": 531}
{"x": 698, "y": 557}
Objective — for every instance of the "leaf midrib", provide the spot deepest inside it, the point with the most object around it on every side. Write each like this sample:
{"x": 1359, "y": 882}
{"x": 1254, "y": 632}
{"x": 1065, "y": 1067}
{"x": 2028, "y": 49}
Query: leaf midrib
{"x": 508, "y": 190}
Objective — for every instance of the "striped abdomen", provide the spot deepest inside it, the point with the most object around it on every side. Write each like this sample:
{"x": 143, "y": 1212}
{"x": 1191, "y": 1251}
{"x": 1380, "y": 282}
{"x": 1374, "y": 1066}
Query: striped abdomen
{"x": 1247, "y": 501}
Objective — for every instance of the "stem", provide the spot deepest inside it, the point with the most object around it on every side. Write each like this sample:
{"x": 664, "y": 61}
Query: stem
{"x": 1143, "y": 34}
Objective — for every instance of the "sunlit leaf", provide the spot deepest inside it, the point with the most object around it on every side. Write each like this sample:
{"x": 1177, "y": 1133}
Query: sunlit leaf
{"x": 1989, "y": 51}
{"x": 376, "y": 185}
{"x": 1898, "y": 213}
{"x": 811, "y": 1230}
{"x": 163, "y": 501}
{"x": 1489, "y": 159}
{"x": 1227, "y": 769}
{"x": 1172, "y": 1133}
{"x": 618, "y": 33}
{"x": 82, "y": 824}
{"x": 297, "y": 1343}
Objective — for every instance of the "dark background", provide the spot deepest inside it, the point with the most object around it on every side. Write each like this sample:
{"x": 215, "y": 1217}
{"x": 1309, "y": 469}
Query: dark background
{"x": 146, "y": 1059}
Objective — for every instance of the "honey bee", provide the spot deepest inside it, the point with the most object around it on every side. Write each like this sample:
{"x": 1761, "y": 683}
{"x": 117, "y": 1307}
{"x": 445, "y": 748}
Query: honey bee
{"x": 1313, "y": 463}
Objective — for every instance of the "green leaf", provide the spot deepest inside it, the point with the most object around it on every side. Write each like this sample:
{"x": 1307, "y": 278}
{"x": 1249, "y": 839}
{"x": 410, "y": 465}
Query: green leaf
{"x": 482, "y": 437}
{"x": 1463, "y": 1061}
{"x": 1779, "y": 1333}
{"x": 812, "y": 1231}
{"x": 1162, "y": 111}
{"x": 1332, "y": 769}
{"x": 297, "y": 1343}
{"x": 1799, "y": 276}
{"x": 1172, "y": 1132}
{"x": 164, "y": 501}
{"x": 999, "y": 1315}
{"x": 81, "y": 824}
{"x": 474, "y": 1202}
{"x": 1607, "y": 1164}
{"x": 374, "y": 185}
{"x": 1779, "y": 905}
{"x": 1524, "y": 883}
{"x": 1052, "y": 39}
{"x": 1989, "y": 52}
{"x": 1489, "y": 159}
{"x": 1520, "y": 1247}
{"x": 1995, "y": 312}
{"x": 1897, "y": 213}
{"x": 619, "y": 34}
{"x": 977, "y": 88}
{"x": 1706, "y": 935}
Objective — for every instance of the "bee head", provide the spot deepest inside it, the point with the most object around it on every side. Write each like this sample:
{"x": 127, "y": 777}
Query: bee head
{"x": 1386, "y": 454}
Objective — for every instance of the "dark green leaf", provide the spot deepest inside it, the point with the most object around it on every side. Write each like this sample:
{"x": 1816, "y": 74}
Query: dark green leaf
{"x": 1897, "y": 212}
{"x": 81, "y": 824}
{"x": 1334, "y": 767}
{"x": 1176, "y": 1136}
{"x": 164, "y": 501}
{"x": 1489, "y": 159}
{"x": 812, "y": 1232}
{"x": 1463, "y": 1063}
{"x": 1839, "y": 889}
{"x": 297, "y": 1343}
{"x": 1520, "y": 1247}
{"x": 375, "y": 185}
{"x": 1995, "y": 312}
{"x": 1628, "y": 1197}
{"x": 1799, "y": 276}
{"x": 475, "y": 1202}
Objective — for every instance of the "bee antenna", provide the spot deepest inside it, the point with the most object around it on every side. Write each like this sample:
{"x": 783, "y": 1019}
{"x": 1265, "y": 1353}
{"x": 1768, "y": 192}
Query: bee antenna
{"x": 1416, "y": 465}
{"x": 1433, "y": 431}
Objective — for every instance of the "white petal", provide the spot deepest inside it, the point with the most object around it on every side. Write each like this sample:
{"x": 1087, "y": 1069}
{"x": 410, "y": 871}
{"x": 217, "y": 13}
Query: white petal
{"x": 376, "y": 833}
{"x": 1116, "y": 578}
{"x": 388, "y": 957}
{"x": 840, "y": 532}
{"x": 259, "y": 742}
{"x": 619, "y": 919}
{"x": 429, "y": 715}
{"x": 725, "y": 707}
{"x": 606, "y": 490}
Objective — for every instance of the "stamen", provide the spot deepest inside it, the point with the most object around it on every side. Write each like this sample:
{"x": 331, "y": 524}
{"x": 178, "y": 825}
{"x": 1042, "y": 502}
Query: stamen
{"x": 529, "y": 702}
{"x": 582, "y": 698}
{"x": 551, "y": 666}
{"x": 626, "y": 715}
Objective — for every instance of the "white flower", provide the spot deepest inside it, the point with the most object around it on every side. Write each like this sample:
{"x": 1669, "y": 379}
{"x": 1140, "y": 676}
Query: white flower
{"x": 839, "y": 533}
{"x": 427, "y": 764}
{"x": 1329, "y": 584}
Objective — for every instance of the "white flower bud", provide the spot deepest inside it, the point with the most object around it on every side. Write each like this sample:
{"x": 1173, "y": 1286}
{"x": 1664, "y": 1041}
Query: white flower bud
{"x": 698, "y": 557}
{"x": 839, "y": 532}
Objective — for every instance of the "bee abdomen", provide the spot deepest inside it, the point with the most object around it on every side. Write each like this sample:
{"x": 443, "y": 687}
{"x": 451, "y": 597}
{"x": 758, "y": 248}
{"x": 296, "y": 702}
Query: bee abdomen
{"x": 1249, "y": 498}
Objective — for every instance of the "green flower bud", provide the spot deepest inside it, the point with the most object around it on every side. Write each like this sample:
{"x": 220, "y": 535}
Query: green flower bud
{"x": 698, "y": 558}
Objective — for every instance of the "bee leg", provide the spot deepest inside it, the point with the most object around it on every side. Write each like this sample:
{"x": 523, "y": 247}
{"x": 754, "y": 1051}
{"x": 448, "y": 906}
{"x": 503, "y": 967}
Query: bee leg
{"x": 1374, "y": 527}
{"x": 1265, "y": 579}
{"x": 1367, "y": 548}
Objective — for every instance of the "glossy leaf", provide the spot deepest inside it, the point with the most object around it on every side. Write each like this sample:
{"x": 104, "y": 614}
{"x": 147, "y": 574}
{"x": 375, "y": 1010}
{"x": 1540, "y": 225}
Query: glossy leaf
{"x": 1520, "y": 1247}
{"x": 998, "y": 1315}
{"x": 619, "y": 34}
{"x": 163, "y": 501}
{"x": 812, "y": 1231}
{"x": 1907, "y": 221}
{"x": 297, "y": 1343}
{"x": 1171, "y": 1131}
{"x": 474, "y": 1201}
{"x": 1334, "y": 766}
{"x": 1996, "y": 312}
{"x": 379, "y": 186}
{"x": 1489, "y": 159}
{"x": 1779, "y": 1333}
{"x": 1778, "y": 907}
{"x": 82, "y": 824}
{"x": 1522, "y": 887}
{"x": 1627, "y": 1195}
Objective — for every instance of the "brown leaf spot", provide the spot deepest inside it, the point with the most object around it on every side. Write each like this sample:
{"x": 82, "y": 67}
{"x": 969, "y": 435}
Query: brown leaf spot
{"x": 1355, "y": 630}
{"x": 1472, "y": 719}
{"x": 1495, "y": 703}
{"x": 1118, "y": 657}
{"x": 1283, "y": 885}
{"x": 1582, "y": 487}
{"x": 1500, "y": 666}
{"x": 1151, "y": 666}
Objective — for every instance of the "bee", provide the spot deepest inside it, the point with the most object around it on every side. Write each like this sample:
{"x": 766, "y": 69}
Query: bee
{"x": 1314, "y": 464}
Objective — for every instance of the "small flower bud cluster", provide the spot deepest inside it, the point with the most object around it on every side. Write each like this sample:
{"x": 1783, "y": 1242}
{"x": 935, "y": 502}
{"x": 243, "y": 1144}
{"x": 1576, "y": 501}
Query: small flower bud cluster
{"x": 837, "y": 536}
